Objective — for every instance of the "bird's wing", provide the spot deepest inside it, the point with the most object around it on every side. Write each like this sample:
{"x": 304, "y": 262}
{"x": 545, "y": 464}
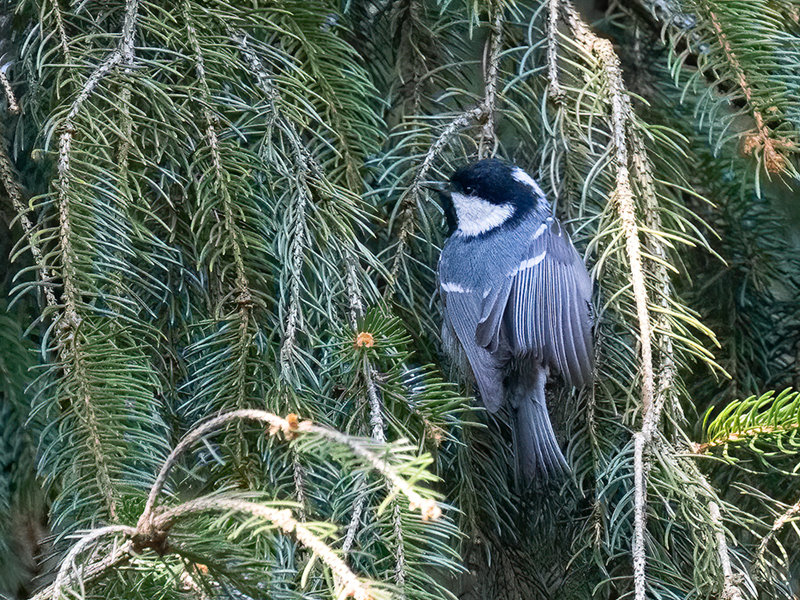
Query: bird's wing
{"x": 546, "y": 310}
{"x": 462, "y": 312}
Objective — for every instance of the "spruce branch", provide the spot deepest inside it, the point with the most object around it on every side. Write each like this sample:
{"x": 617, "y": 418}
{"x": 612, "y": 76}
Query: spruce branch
{"x": 350, "y": 586}
{"x": 127, "y": 59}
{"x": 68, "y": 566}
{"x": 153, "y": 526}
{"x": 304, "y": 169}
{"x": 413, "y": 193}
{"x": 622, "y": 123}
{"x": 62, "y": 32}
{"x": 14, "y": 191}
{"x": 89, "y": 571}
{"x": 242, "y": 293}
{"x": 730, "y": 590}
{"x": 665, "y": 377}
{"x": 784, "y": 518}
{"x": 772, "y": 148}
{"x": 765, "y": 419}
{"x": 13, "y": 105}
{"x": 70, "y": 348}
{"x": 289, "y": 427}
{"x": 621, "y": 115}
{"x": 483, "y": 113}
{"x": 492, "y": 70}
{"x": 554, "y": 87}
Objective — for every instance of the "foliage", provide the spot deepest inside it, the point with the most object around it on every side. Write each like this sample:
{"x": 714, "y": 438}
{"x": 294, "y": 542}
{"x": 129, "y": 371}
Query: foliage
{"x": 217, "y": 210}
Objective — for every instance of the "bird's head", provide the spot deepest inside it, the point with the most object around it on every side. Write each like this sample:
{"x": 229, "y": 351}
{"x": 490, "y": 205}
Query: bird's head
{"x": 488, "y": 194}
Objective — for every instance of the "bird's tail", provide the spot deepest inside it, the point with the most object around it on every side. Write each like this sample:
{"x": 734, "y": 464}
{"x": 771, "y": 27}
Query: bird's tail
{"x": 536, "y": 449}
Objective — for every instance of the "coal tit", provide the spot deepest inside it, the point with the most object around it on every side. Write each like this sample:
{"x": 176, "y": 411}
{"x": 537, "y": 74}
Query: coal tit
{"x": 516, "y": 298}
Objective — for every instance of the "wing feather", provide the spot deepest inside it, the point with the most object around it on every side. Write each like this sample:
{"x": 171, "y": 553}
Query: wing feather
{"x": 548, "y": 308}
{"x": 462, "y": 312}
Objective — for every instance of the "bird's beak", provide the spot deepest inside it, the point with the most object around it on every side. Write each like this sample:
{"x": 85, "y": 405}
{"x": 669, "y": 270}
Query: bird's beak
{"x": 438, "y": 186}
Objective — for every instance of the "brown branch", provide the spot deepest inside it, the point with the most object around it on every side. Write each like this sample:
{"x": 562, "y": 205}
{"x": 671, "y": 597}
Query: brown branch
{"x": 774, "y": 161}
{"x": 13, "y": 106}
{"x": 153, "y": 526}
{"x": 622, "y": 119}
{"x": 483, "y": 113}
{"x": 790, "y": 514}
{"x": 494, "y": 45}
{"x": 69, "y": 343}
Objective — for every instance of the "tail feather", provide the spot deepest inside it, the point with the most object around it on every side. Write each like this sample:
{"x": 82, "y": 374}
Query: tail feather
{"x": 536, "y": 449}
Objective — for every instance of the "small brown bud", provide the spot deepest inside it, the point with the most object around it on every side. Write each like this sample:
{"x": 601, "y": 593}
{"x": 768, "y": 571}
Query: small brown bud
{"x": 364, "y": 338}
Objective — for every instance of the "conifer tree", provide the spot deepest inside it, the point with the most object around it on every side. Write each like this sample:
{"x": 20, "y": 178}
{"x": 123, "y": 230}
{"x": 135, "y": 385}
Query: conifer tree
{"x": 221, "y": 371}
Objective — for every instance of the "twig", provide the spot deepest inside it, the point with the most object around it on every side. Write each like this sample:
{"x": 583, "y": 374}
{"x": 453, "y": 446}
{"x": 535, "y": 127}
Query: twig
{"x": 411, "y": 196}
{"x": 69, "y": 560}
{"x": 730, "y": 590}
{"x": 639, "y": 516}
{"x": 14, "y": 191}
{"x": 304, "y": 168}
{"x": 274, "y": 422}
{"x": 484, "y": 112}
{"x": 774, "y": 161}
{"x": 62, "y": 32}
{"x": 623, "y": 198}
{"x": 91, "y": 571}
{"x": 643, "y": 170}
{"x": 791, "y": 513}
{"x": 244, "y": 297}
{"x": 13, "y": 106}
{"x": 282, "y": 518}
{"x": 127, "y": 49}
{"x": 299, "y": 478}
{"x": 69, "y": 342}
{"x": 152, "y": 527}
{"x": 492, "y": 72}
{"x": 400, "y": 553}
{"x": 429, "y": 509}
{"x": 552, "y": 49}
{"x": 289, "y": 427}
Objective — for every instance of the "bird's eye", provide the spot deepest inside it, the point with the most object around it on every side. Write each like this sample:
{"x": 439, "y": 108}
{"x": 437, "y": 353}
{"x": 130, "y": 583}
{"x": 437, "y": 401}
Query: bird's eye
{"x": 468, "y": 189}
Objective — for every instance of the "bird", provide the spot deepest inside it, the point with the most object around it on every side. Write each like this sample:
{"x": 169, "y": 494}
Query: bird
{"x": 516, "y": 299}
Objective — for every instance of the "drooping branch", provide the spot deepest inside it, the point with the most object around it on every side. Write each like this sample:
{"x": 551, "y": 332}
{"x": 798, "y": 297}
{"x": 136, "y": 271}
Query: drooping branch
{"x": 13, "y": 105}
{"x": 786, "y": 517}
{"x": 774, "y": 160}
{"x": 621, "y": 119}
{"x": 492, "y": 68}
{"x": 731, "y": 590}
{"x": 62, "y": 32}
{"x": 69, "y": 344}
{"x": 483, "y": 113}
{"x": 153, "y": 526}
{"x": 14, "y": 191}
{"x": 243, "y": 295}
{"x": 304, "y": 168}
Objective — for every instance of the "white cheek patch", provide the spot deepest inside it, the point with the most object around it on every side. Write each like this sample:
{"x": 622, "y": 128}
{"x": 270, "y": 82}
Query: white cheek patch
{"x": 476, "y": 215}
{"x": 523, "y": 177}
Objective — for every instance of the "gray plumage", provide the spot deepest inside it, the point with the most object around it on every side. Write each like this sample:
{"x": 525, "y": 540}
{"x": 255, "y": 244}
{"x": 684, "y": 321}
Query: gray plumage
{"x": 517, "y": 302}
